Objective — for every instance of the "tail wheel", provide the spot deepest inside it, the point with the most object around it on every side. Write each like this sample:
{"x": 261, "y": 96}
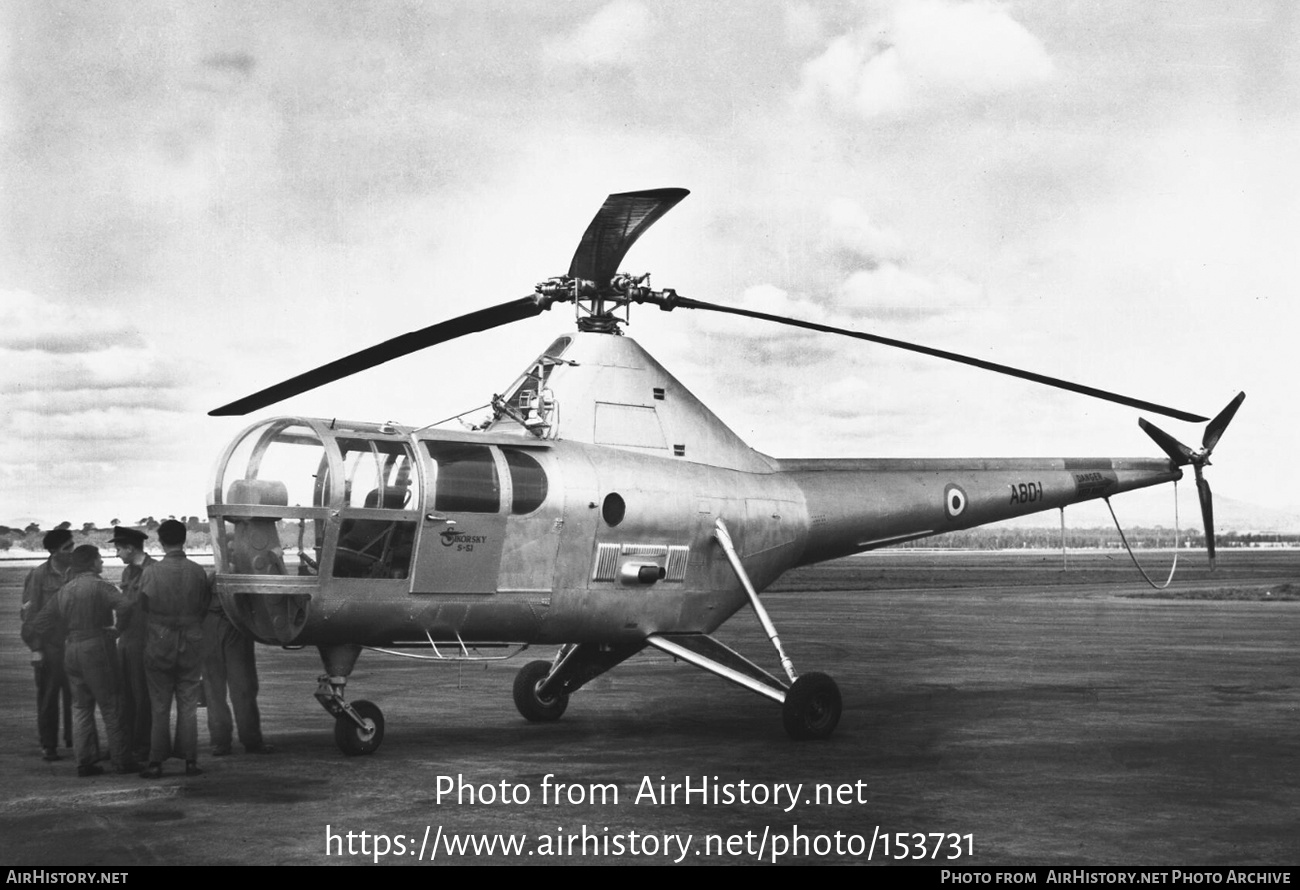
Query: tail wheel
{"x": 352, "y": 739}
{"x": 530, "y": 704}
{"x": 812, "y": 707}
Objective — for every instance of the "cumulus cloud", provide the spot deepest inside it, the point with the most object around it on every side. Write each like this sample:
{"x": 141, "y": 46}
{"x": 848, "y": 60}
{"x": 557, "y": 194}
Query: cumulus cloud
{"x": 66, "y": 401}
{"x": 776, "y": 301}
{"x": 892, "y": 288}
{"x": 66, "y": 360}
{"x": 853, "y": 237}
{"x": 28, "y": 324}
{"x": 930, "y": 53}
{"x": 112, "y": 368}
{"x": 610, "y": 37}
{"x": 803, "y": 24}
{"x": 97, "y": 425}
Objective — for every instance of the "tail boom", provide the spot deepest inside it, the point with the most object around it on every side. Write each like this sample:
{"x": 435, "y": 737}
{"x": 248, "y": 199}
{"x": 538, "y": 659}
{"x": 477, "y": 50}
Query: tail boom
{"x": 857, "y": 505}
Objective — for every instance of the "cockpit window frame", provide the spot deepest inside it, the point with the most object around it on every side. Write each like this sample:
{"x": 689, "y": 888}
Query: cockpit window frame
{"x": 222, "y": 513}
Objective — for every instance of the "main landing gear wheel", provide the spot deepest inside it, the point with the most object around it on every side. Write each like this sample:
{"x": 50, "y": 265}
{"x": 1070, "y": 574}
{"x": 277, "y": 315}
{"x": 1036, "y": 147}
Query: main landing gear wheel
{"x": 529, "y": 703}
{"x": 812, "y": 707}
{"x": 352, "y": 739}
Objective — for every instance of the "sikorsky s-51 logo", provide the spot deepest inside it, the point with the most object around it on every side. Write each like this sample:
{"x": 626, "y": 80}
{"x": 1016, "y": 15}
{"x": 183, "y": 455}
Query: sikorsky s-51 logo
{"x": 460, "y": 540}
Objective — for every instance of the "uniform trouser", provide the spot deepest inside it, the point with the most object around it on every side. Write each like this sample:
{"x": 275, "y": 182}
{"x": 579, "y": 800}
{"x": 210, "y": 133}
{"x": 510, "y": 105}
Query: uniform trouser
{"x": 173, "y": 661}
{"x": 94, "y": 676}
{"x": 137, "y": 708}
{"x": 229, "y": 662}
{"x": 51, "y": 683}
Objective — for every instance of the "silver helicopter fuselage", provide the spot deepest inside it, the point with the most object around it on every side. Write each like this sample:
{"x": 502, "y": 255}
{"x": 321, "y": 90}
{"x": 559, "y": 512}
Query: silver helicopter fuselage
{"x": 584, "y": 512}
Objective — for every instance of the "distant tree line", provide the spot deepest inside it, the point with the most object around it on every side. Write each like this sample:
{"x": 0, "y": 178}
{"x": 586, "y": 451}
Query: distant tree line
{"x": 148, "y": 523}
{"x": 1100, "y": 538}
{"x": 29, "y": 537}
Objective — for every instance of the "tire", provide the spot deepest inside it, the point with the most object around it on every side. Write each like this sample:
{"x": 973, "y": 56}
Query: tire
{"x": 352, "y": 739}
{"x": 534, "y": 708}
{"x": 812, "y": 707}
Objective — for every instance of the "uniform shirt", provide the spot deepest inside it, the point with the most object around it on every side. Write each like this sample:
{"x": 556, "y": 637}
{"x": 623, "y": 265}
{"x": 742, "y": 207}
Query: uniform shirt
{"x": 84, "y": 606}
{"x": 40, "y": 588}
{"x": 175, "y": 590}
{"x": 132, "y": 624}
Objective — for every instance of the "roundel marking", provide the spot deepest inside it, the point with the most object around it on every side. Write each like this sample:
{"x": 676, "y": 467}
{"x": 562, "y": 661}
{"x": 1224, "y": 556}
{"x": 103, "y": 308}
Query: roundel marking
{"x": 954, "y": 500}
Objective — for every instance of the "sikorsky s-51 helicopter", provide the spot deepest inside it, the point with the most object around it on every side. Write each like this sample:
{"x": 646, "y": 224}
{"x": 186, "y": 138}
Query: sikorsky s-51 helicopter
{"x": 602, "y": 507}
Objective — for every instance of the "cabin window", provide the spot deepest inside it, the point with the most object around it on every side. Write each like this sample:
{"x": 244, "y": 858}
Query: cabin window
{"x": 613, "y": 509}
{"x": 466, "y": 478}
{"x": 378, "y": 475}
{"x": 278, "y": 465}
{"x": 281, "y": 464}
{"x": 527, "y": 480}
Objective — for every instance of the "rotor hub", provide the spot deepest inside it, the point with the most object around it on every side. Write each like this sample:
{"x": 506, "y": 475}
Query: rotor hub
{"x": 596, "y": 306}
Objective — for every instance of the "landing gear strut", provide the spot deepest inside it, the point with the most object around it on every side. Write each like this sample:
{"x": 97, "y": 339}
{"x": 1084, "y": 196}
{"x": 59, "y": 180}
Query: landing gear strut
{"x": 810, "y": 705}
{"x": 359, "y": 726}
{"x": 354, "y": 739}
{"x": 542, "y": 688}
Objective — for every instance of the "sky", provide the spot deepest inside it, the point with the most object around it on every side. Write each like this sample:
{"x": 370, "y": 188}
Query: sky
{"x": 202, "y": 199}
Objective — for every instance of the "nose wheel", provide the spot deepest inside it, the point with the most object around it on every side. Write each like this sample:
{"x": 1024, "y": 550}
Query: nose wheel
{"x": 358, "y": 725}
{"x": 355, "y": 738}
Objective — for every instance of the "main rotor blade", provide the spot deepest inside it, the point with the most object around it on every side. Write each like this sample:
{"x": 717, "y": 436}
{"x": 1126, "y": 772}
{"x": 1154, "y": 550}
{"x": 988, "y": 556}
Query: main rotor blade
{"x": 952, "y": 357}
{"x": 621, "y": 220}
{"x": 1214, "y": 431}
{"x": 482, "y": 320}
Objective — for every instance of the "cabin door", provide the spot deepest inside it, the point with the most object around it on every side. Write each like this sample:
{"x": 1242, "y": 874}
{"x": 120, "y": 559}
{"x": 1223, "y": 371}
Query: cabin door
{"x": 463, "y": 525}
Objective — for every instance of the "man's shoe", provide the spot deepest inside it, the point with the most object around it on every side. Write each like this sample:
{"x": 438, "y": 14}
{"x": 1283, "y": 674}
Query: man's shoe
{"x": 259, "y": 749}
{"x": 152, "y": 771}
{"x": 50, "y": 754}
{"x": 93, "y": 769}
{"x": 192, "y": 768}
{"x": 220, "y": 750}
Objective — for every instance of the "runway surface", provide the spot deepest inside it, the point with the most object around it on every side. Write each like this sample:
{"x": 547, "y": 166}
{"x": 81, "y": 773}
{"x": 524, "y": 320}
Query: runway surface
{"x": 1025, "y": 714}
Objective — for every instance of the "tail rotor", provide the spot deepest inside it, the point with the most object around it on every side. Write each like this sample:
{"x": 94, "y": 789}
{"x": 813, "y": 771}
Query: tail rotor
{"x": 1182, "y": 456}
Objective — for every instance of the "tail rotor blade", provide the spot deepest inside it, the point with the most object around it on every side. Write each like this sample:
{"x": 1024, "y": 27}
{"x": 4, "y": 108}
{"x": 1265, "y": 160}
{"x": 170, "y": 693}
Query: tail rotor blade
{"x": 482, "y": 320}
{"x": 1214, "y": 429}
{"x": 1179, "y": 453}
{"x": 1095, "y": 393}
{"x": 1207, "y": 512}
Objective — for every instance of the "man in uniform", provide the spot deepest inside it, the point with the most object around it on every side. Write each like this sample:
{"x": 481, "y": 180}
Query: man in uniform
{"x": 83, "y": 609}
{"x": 40, "y": 588}
{"x": 136, "y": 707}
{"x": 175, "y": 593}
{"x": 229, "y": 662}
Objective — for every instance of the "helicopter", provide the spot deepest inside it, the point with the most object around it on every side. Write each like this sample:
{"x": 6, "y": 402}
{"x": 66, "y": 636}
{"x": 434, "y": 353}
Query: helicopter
{"x": 602, "y": 508}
